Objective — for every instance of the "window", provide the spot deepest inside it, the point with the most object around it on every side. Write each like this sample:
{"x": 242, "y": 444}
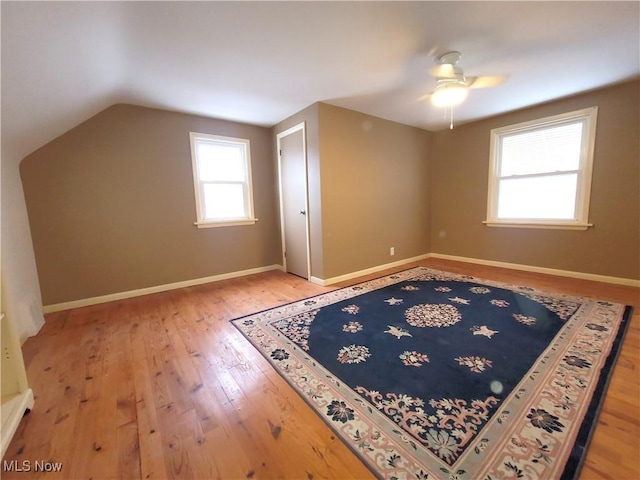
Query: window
{"x": 540, "y": 172}
{"x": 222, "y": 180}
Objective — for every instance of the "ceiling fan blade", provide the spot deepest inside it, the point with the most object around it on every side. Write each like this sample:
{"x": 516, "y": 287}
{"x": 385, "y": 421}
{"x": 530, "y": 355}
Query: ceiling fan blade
{"x": 485, "y": 81}
{"x": 446, "y": 70}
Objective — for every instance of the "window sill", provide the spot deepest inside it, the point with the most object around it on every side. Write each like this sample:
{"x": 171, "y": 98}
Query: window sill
{"x": 547, "y": 225}
{"x": 226, "y": 223}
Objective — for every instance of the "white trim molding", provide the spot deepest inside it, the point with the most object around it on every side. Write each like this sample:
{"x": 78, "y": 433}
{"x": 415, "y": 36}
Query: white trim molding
{"x": 367, "y": 271}
{"x": 548, "y": 225}
{"x": 302, "y": 126}
{"x": 232, "y": 223}
{"x": 157, "y": 289}
{"x": 549, "y": 271}
{"x": 205, "y": 218}
{"x": 545, "y": 171}
{"x": 341, "y": 278}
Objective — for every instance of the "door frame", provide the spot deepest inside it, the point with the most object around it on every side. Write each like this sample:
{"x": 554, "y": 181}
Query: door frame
{"x": 279, "y": 136}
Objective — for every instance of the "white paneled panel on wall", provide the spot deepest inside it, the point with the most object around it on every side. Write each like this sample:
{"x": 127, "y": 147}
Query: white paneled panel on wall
{"x": 17, "y": 397}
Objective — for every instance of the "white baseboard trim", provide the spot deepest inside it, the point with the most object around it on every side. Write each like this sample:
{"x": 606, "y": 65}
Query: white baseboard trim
{"x": 159, "y": 288}
{"x": 368, "y": 271}
{"x": 341, "y": 278}
{"x": 549, "y": 271}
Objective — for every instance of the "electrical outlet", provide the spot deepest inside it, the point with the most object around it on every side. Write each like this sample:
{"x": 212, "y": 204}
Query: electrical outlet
{"x": 392, "y": 251}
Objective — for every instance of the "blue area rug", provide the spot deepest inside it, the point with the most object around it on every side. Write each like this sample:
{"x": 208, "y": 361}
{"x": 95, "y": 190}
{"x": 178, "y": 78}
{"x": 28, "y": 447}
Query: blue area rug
{"x": 428, "y": 374}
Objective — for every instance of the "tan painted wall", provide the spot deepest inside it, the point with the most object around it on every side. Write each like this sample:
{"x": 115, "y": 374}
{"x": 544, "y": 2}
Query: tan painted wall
{"x": 459, "y": 179}
{"x": 111, "y": 203}
{"x": 375, "y": 191}
{"x": 111, "y": 206}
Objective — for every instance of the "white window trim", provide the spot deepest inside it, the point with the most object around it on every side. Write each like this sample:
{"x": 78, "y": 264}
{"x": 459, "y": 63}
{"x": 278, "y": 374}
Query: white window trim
{"x": 585, "y": 170}
{"x": 202, "y": 222}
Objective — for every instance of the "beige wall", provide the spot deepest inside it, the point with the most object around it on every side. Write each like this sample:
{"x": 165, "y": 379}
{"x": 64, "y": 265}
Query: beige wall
{"x": 368, "y": 190}
{"x": 111, "y": 203}
{"x": 111, "y": 206}
{"x": 375, "y": 191}
{"x": 459, "y": 179}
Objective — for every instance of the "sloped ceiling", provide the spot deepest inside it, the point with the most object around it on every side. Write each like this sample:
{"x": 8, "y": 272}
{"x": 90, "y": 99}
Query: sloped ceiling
{"x": 260, "y": 62}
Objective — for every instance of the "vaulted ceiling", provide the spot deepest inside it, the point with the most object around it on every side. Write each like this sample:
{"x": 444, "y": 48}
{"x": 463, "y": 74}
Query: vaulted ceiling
{"x": 260, "y": 62}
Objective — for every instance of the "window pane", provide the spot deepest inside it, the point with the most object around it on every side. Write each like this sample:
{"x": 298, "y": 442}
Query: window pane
{"x": 551, "y": 149}
{"x": 550, "y": 197}
{"x": 220, "y": 162}
{"x": 224, "y": 201}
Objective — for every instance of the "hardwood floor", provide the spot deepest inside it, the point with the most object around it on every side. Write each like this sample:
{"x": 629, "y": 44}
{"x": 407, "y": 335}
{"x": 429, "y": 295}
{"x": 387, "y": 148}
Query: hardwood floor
{"x": 163, "y": 386}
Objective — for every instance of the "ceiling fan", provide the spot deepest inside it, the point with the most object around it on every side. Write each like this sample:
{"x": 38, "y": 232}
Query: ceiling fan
{"x": 452, "y": 84}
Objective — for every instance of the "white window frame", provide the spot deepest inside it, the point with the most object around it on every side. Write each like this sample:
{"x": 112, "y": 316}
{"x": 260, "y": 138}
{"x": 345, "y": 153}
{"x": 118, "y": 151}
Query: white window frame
{"x": 202, "y": 222}
{"x": 580, "y": 220}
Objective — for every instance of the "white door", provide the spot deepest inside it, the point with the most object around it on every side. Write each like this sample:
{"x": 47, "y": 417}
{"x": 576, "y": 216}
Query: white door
{"x": 293, "y": 200}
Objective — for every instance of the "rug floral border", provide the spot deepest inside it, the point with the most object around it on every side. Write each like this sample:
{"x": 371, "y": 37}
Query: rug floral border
{"x": 531, "y": 435}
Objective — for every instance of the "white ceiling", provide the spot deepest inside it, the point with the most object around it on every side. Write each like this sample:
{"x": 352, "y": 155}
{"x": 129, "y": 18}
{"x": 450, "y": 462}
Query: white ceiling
{"x": 260, "y": 62}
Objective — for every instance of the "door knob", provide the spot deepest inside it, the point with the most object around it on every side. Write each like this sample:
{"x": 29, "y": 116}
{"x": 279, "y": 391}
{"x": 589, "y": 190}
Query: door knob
{"x": 302, "y": 212}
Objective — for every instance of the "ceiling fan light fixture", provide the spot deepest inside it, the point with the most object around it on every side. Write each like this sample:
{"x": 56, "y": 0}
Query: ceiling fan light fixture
{"x": 449, "y": 94}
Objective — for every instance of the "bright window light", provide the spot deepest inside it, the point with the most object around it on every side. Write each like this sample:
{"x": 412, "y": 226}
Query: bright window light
{"x": 222, "y": 180}
{"x": 540, "y": 172}
{"x": 223, "y": 201}
{"x": 521, "y": 198}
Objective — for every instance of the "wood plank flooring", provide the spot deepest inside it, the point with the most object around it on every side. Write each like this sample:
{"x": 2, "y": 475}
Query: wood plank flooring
{"x": 162, "y": 386}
